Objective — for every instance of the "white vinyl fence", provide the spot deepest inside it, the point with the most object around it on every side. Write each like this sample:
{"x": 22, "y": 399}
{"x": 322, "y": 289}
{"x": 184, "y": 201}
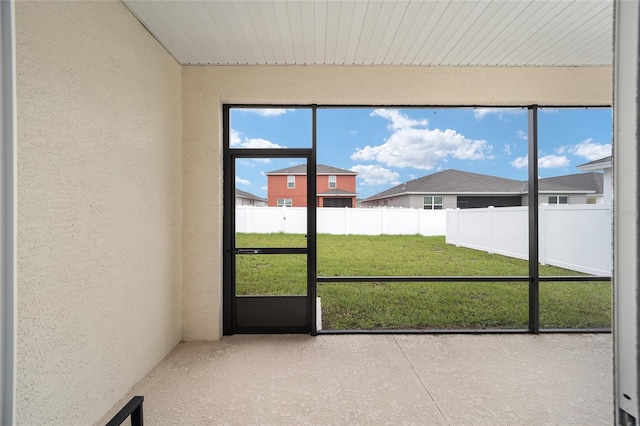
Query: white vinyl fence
{"x": 342, "y": 221}
{"x": 576, "y": 237}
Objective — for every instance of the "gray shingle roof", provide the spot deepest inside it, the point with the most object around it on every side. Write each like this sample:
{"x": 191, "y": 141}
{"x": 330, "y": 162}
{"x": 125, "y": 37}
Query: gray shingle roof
{"x": 321, "y": 169}
{"x": 587, "y": 182}
{"x": 455, "y": 181}
{"x": 604, "y": 160}
{"x": 248, "y": 195}
{"x": 458, "y": 182}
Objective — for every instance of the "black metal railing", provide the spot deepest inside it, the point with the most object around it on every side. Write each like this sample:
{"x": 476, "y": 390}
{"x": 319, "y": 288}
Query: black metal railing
{"x": 133, "y": 409}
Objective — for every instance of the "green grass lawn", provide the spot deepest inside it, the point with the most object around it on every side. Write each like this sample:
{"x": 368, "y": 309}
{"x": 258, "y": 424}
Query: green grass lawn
{"x": 418, "y": 305}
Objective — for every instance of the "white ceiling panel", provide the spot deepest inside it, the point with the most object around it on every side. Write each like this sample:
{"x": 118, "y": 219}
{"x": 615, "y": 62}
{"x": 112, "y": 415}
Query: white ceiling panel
{"x": 376, "y": 32}
{"x": 464, "y": 21}
{"x": 382, "y": 32}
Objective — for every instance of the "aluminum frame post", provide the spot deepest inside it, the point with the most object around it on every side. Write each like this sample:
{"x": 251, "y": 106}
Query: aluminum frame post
{"x": 534, "y": 277}
{"x": 7, "y": 213}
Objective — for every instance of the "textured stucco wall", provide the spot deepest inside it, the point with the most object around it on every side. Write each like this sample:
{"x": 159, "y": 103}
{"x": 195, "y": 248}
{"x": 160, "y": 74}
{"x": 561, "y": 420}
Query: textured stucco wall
{"x": 99, "y": 208}
{"x": 206, "y": 88}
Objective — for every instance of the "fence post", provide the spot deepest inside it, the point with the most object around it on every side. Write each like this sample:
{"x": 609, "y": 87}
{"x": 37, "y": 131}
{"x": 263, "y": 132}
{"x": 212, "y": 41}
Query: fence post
{"x": 382, "y": 220}
{"x": 457, "y": 227}
{"x": 346, "y": 221}
{"x": 490, "y": 210}
{"x": 542, "y": 234}
{"x": 420, "y": 222}
{"x": 447, "y": 239}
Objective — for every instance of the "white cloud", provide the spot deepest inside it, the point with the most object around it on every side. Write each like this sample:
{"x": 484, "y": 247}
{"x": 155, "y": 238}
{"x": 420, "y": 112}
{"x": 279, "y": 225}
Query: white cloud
{"x": 265, "y": 112}
{"x": 242, "y": 181}
{"x": 520, "y": 162}
{"x": 552, "y": 161}
{"x": 264, "y": 188}
{"x": 399, "y": 120}
{"x": 258, "y": 143}
{"x": 546, "y": 162}
{"x": 522, "y": 135}
{"x": 480, "y": 113}
{"x": 587, "y": 149}
{"x": 375, "y": 175}
{"x": 236, "y": 138}
{"x": 507, "y": 149}
{"x": 422, "y": 149}
{"x": 353, "y": 132}
{"x": 237, "y": 141}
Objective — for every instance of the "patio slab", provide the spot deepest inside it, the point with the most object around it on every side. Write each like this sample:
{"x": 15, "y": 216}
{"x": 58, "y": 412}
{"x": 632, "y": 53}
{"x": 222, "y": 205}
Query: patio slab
{"x": 382, "y": 379}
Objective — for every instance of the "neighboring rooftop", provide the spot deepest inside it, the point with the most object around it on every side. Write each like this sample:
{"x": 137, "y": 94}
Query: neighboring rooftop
{"x": 321, "y": 169}
{"x": 580, "y": 182}
{"x": 455, "y": 181}
{"x": 244, "y": 194}
{"x": 452, "y": 181}
{"x": 599, "y": 164}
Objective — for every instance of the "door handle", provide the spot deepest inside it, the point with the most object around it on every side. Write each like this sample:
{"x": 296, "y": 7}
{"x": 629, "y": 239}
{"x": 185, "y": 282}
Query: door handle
{"x": 248, "y": 251}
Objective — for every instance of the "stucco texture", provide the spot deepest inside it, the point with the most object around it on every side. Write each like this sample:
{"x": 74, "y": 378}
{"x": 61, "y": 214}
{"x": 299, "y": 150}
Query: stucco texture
{"x": 99, "y": 208}
{"x": 207, "y": 88}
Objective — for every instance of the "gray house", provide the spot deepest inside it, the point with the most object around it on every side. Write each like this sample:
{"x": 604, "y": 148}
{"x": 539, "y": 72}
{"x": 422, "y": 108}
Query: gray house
{"x": 458, "y": 189}
{"x": 604, "y": 165}
{"x": 245, "y": 198}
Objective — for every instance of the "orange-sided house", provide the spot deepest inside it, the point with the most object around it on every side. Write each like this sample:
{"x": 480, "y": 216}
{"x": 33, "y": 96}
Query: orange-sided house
{"x": 288, "y": 187}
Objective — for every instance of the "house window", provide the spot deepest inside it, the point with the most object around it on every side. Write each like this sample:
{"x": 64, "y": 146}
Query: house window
{"x": 332, "y": 181}
{"x": 291, "y": 181}
{"x": 284, "y": 202}
{"x": 433, "y": 203}
{"x": 558, "y": 199}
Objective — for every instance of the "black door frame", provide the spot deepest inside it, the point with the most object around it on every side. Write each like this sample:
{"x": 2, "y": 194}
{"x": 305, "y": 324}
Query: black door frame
{"x": 295, "y": 303}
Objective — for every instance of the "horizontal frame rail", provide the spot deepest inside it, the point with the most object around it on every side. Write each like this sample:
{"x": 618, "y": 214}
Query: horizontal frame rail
{"x": 430, "y": 331}
{"x": 412, "y": 106}
{"x": 415, "y": 279}
{"x": 572, "y": 278}
{"x": 471, "y": 331}
{"x": 456, "y": 279}
{"x": 270, "y": 250}
{"x": 269, "y": 152}
{"x": 575, "y": 330}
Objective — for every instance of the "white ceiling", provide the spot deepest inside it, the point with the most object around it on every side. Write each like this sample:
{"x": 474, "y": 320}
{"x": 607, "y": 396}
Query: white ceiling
{"x": 382, "y": 32}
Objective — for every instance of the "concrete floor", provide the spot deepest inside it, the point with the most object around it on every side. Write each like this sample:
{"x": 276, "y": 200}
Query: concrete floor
{"x": 382, "y": 379}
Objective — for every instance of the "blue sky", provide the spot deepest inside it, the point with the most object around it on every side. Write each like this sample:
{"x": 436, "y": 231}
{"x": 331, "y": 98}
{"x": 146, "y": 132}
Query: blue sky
{"x": 388, "y": 146}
